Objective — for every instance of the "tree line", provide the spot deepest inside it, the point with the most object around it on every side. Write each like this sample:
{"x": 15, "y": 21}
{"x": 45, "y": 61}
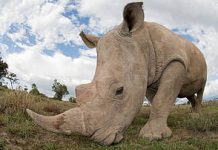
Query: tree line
{"x": 4, "y": 73}
{"x": 58, "y": 88}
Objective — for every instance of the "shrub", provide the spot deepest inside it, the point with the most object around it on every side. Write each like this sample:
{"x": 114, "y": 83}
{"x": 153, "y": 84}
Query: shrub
{"x": 203, "y": 123}
{"x": 49, "y": 107}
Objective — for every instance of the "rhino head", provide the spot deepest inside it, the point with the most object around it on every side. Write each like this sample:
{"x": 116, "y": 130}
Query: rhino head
{"x": 108, "y": 104}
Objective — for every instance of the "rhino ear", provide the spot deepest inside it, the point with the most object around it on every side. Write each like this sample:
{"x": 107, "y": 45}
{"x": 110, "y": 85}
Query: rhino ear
{"x": 90, "y": 40}
{"x": 133, "y": 17}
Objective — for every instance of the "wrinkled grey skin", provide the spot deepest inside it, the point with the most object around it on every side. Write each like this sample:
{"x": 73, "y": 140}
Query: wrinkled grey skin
{"x": 134, "y": 60}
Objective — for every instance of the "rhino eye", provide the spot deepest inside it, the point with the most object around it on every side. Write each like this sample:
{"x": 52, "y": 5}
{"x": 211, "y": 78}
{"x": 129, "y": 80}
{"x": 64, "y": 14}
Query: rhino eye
{"x": 119, "y": 91}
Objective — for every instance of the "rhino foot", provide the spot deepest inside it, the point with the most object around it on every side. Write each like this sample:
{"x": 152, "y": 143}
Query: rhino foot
{"x": 155, "y": 131}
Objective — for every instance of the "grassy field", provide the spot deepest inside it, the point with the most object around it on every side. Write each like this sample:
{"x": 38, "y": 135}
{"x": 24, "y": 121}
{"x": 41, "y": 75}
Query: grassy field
{"x": 17, "y": 131}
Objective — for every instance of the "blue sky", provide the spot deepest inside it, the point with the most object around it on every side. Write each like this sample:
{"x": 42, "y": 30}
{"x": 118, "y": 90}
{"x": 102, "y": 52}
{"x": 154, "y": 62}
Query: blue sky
{"x": 40, "y": 40}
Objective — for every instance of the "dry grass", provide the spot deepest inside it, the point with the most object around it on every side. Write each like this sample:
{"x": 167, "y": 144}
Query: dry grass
{"x": 17, "y": 131}
{"x": 18, "y": 101}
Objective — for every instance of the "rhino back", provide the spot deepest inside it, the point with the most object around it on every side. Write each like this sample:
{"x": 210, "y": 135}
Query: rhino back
{"x": 169, "y": 47}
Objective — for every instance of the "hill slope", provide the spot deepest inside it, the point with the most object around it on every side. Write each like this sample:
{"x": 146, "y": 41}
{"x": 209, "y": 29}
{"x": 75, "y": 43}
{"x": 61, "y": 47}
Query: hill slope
{"x": 17, "y": 131}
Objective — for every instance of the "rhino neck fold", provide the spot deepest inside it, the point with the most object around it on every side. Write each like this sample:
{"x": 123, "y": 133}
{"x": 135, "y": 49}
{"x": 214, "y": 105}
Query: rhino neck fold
{"x": 148, "y": 51}
{"x": 152, "y": 65}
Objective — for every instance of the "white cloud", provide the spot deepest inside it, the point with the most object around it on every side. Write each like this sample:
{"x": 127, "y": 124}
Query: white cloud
{"x": 180, "y": 13}
{"x": 18, "y": 36}
{"x": 15, "y": 11}
{"x": 181, "y": 101}
{"x": 183, "y": 12}
{"x": 34, "y": 67}
{"x": 211, "y": 89}
{"x": 208, "y": 43}
{"x": 195, "y": 18}
{"x": 104, "y": 14}
{"x": 3, "y": 49}
{"x": 88, "y": 53}
{"x": 49, "y": 24}
{"x": 50, "y": 27}
{"x": 46, "y": 22}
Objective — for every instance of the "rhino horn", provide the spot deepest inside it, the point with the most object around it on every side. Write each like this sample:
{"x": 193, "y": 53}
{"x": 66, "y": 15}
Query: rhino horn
{"x": 68, "y": 122}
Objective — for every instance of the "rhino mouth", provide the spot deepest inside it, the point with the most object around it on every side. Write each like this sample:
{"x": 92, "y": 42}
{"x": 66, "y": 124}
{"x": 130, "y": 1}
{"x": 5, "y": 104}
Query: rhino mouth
{"x": 106, "y": 137}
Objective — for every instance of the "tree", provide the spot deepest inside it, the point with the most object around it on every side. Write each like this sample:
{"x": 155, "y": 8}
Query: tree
{"x": 59, "y": 89}
{"x": 25, "y": 88}
{"x": 12, "y": 77}
{"x": 72, "y": 99}
{"x": 3, "y": 68}
{"x": 34, "y": 90}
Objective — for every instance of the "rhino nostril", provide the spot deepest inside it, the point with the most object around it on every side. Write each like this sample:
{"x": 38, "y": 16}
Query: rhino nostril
{"x": 119, "y": 91}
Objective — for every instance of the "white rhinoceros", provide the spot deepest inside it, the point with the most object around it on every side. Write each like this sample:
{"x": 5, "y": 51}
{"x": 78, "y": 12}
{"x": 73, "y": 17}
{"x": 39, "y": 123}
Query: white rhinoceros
{"x": 134, "y": 60}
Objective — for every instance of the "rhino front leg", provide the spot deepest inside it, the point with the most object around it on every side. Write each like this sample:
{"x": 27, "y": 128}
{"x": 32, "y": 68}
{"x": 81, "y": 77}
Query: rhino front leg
{"x": 171, "y": 82}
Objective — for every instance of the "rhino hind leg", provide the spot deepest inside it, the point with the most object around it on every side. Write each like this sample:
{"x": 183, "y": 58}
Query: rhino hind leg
{"x": 170, "y": 85}
{"x": 196, "y": 100}
{"x": 150, "y": 93}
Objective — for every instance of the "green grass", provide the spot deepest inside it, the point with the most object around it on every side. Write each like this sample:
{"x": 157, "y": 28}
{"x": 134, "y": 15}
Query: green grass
{"x": 2, "y": 143}
{"x": 19, "y": 132}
